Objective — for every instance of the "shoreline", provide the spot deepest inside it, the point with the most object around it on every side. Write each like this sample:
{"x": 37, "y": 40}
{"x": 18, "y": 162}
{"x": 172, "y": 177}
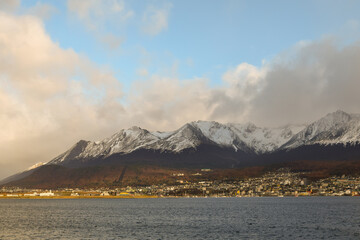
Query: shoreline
{"x": 147, "y": 196}
{"x": 77, "y": 197}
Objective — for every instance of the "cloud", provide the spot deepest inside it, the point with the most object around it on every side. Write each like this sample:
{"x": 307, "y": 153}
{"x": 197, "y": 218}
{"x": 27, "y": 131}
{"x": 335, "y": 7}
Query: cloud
{"x": 318, "y": 78}
{"x": 111, "y": 41}
{"x": 49, "y": 97}
{"x": 299, "y": 85}
{"x": 9, "y": 5}
{"x": 155, "y": 20}
{"x": 96, "y": 13}
{"x": 164, "y": 103}
{"x": 42, "y": 10}
{"x": 143, "y": 72}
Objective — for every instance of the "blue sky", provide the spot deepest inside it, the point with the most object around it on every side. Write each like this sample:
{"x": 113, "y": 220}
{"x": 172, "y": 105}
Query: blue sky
{"x": 202, "y": 38}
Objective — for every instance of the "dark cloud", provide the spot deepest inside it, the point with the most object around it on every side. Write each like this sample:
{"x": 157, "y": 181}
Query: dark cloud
{"x": 318, "y": 78}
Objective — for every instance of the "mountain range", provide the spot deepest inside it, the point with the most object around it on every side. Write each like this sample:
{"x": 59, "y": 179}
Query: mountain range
{"x": 209, "y": 144}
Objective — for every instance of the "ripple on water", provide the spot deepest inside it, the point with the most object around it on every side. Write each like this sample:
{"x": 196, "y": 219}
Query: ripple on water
{"x": 194, "y": 218}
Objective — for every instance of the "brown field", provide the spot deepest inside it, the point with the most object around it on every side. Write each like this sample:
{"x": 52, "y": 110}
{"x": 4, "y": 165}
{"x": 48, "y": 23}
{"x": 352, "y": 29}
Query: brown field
{"x": 58, "y": 177}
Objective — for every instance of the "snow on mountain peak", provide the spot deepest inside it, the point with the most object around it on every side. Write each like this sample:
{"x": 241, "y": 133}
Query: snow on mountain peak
{"x": 36, "y": 165}
{"x": 216, "y": 132}
{"x": 263, "y": 140}
{"x": 338, "y": 117}
{"x": 336, "y": 127}
{"x": 250, "y": 127}
{"x": 136, "y": 129}
{"x": 161, "y": 135}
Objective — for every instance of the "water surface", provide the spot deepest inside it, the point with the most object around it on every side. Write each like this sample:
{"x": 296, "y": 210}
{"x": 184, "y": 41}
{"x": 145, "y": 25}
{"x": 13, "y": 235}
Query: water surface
{"x": 181, "y": 218}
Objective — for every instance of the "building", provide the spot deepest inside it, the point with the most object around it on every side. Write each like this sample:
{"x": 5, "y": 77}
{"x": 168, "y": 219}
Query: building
{"x": 47, "y": 194}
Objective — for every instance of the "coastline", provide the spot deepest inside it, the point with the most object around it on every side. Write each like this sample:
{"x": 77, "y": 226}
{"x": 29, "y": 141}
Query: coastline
{"x": 148, "y": 196}
{"x": 77, "y": 197}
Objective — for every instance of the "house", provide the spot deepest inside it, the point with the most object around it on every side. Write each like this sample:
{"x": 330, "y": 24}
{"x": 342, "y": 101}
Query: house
{"x": 205, "y": 169}
{"x": 47, "y": 194}
{"x": 31, "y": 194}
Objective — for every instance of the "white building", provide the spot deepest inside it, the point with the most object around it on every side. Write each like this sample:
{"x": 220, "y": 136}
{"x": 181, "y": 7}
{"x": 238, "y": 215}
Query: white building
{"x": 47, "y": 194}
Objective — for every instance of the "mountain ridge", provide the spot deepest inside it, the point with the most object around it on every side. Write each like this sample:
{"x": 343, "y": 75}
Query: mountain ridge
{"x": 334, "y": 128}
{"x": 209, "y": 144}
{"x": 240, "y": 137}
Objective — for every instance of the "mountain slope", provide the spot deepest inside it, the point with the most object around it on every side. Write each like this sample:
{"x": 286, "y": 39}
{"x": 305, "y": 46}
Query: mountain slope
{"x": 237, "y": 138}
{"x": 335, "y": 128}
{"x": 209, "y": 144}
{"x": 231, "y": 143}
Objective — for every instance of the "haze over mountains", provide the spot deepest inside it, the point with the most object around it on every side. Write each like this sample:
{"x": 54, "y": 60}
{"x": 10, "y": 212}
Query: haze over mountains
{"x": 204, "y": 144}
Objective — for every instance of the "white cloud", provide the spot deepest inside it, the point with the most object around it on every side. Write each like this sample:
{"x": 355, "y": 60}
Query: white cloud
{"x": 160, "y": 103}
{"x": 155, "y": 20}
{"x": 49, "y": 97}
{"x": 42, "y": 10}
{"x": 298, "y": 86}
{"x": 111, "y": 41}
{"x": 143, "y": 72}
{"x": 245, "y": 78}
{"x": 95, "y": 13}
{"x": 81, "y": 8}
{"x": 9, "y": 5}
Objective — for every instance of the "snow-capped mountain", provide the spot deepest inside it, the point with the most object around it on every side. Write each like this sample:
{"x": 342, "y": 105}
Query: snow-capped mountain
{"x": 238, "y": 137}
{"x": 265, "y": 140}
{"x": 124, "y": 141}
{"x": 335, "y": 128}
{"x": 39, "y": 164}
{"x": 209, "y": 144}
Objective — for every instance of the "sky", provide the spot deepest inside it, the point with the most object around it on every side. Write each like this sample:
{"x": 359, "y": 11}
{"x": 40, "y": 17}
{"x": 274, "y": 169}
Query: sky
{"x": 75, "y": 69}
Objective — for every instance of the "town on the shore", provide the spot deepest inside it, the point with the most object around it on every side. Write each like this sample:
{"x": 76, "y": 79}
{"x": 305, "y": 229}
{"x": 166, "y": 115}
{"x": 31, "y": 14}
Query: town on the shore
{"x": 280, "y": 183}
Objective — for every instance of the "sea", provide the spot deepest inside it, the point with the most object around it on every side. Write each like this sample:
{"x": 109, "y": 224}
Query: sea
{"x": 181, "y": 218}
